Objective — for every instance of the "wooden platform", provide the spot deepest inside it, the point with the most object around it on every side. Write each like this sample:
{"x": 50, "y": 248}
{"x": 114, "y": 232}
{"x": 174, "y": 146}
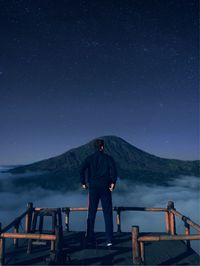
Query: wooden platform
{"x": 157, "y": 253}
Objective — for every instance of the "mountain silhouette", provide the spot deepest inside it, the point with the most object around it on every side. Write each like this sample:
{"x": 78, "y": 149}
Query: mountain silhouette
{"x": 62, "y": 172}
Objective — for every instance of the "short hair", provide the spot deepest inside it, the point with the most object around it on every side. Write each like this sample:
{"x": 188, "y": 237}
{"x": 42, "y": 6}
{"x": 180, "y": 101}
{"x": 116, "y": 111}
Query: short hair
{"x": 98, "y": 143}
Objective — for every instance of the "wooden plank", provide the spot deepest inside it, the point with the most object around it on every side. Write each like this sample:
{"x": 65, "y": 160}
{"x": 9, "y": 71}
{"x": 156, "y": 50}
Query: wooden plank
{"x": 151, "y": 238}
{"x": 28, "y": 236}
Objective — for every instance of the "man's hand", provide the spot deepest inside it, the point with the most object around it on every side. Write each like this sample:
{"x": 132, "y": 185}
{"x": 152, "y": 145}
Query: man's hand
{"x": 84, "y": 186}
{"x": 112, "y": 187}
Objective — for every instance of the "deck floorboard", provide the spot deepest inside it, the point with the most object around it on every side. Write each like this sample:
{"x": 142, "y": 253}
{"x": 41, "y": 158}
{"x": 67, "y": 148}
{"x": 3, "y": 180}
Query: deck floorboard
{"x": 156, "y": 253}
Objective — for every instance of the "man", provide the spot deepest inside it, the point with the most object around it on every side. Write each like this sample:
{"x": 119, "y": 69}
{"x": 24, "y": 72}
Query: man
{"x": 102, "y": 175}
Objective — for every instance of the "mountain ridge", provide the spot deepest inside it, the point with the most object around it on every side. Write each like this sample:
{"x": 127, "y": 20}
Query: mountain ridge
{"x": 132, "y": 163}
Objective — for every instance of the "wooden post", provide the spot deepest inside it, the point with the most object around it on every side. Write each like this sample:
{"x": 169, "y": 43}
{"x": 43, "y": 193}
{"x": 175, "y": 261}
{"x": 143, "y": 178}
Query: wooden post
{"x": 58, "y": 244}
{"x": 118, "y": 221}
{"x": 52, "y": 245}
{"x": 59, "y": 217}
{"x": 135, "y": 245}
{"x": 187, "y": 233}
{"x": 32, "y": 230}
{"x": 2, "y": 248}
{"x": 16, "y": 230}
{"x": 167, "y": 222}
{"x": 29, "y": 210}
{"x": 41, "y": 223}
{"x": 67, "y": 219}
{"x": 59, "y": 237}
{"x": 142, "y": 252}
{"x": 54, "y": 222}
{"x": 172, "y": 224}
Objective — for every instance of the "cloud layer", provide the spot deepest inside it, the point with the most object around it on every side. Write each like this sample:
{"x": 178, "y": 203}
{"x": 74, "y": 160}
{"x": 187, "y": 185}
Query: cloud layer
{"x": 184, "y": 191}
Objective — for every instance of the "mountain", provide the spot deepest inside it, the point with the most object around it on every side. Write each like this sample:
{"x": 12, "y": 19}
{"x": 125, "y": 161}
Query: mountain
{"x": 62, "y": 172}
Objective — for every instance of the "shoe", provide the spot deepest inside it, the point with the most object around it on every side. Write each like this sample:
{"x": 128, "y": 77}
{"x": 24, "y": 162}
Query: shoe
{"x": 109, "y": 244}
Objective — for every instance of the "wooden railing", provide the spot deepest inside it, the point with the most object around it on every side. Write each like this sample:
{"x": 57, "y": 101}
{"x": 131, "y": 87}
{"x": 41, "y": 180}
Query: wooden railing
{"x": 55, "y": 238}
{"x": 138, "y": 239}
{"x": 118, "y": 210}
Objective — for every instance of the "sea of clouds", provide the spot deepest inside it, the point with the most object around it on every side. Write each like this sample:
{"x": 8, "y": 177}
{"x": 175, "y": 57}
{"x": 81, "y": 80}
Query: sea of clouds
{"x": 184, "y": 191}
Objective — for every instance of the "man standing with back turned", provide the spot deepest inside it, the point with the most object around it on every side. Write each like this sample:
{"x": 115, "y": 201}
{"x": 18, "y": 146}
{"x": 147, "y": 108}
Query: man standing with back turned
{"x": 102, "y": 175}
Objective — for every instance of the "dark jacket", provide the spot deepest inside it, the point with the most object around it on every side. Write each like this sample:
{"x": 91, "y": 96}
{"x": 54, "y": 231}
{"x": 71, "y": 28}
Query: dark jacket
{"x": 101, "y": 170}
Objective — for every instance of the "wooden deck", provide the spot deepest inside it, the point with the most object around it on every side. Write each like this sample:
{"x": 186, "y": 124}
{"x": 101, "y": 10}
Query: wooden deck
{"x": 156, "y": 253}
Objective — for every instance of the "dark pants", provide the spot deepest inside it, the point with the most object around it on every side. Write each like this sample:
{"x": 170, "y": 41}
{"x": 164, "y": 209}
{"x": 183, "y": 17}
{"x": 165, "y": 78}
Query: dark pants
{"x": 96, "y": 194}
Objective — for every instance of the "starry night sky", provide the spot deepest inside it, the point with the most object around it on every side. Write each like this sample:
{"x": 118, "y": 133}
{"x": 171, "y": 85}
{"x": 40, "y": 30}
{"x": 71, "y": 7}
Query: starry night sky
{"x": 73, "y": 70}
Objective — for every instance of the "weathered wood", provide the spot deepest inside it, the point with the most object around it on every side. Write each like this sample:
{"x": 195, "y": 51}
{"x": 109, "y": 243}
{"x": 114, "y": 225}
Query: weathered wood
{"x": 15, "y": 240}
{"x": 42, "y": 209}
{"x": 67, "y": 219}
{"x": 142, "y": 209}
{"x": 187, "y": 220}
{"x": 54, "y": 221}
{"x": 119, "y": 254}
{"x": 167, "y": 222}
{"x": 172, "y": 223}
{"x": 59, "y": 213}
{"x": 147, "y": 238}
{"x": 121, "y": 209}
{"x": 2, "y": 248}
{"x": 41, "y": 223}
{"x": 32, "y": 229}
{"x": 187, "y": 233}
{"x": 58, "y": 244}
{"x": 135, "y": 246}
{"x": 2, "y": 251}
{"x": 13, "y": 223}
{"x": 52, "y": 245}
{"x": 83, "y": 209}
{"x": 59, "y": 237}
{"x": 29, "y": 210}
{"x": 138, "y": 251}
{"x": 118, "y": 221}
{"x": 142, "y": 252}
{"x": 34, "y": 222}
{"x": 28, "y": 236}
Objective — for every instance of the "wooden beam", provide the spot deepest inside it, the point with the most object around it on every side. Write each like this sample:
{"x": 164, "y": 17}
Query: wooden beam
{"x": 187, "y": 220}
{"x": 13, "y": 223}
{"x": 28, "y": 236}
{"x": 168, "y": 238}
{"x": 121, "y": 209}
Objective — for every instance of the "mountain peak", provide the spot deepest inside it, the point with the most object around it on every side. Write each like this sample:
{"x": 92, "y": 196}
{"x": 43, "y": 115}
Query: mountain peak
{"x": 132, "y": 163}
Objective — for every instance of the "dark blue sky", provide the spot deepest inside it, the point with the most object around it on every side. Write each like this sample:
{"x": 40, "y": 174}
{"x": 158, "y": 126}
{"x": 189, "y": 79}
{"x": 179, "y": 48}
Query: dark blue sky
{"x": 74, "y": 70}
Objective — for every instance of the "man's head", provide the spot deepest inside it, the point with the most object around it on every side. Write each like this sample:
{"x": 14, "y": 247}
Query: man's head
{"x": 99, "y": 144}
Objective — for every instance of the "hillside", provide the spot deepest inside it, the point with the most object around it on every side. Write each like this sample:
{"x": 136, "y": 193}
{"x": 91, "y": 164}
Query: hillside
{"x": 62, "y": 172}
